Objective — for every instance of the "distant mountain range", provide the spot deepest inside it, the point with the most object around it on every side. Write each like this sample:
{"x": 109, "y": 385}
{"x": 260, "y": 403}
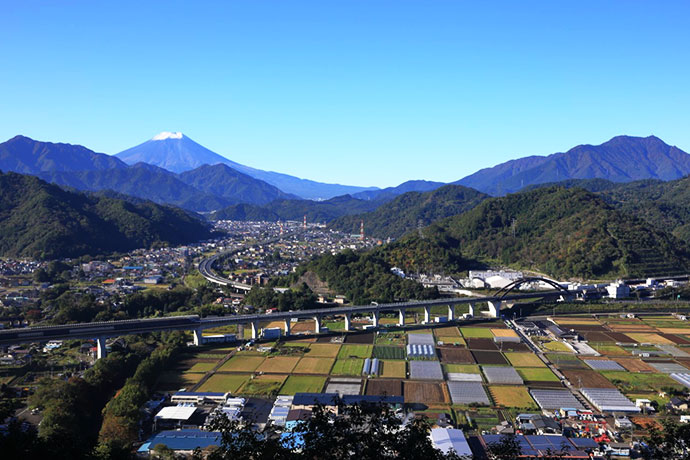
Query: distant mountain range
{"x": 178, "y": 153}
{"x": 622, "y": 159}
{"x": 43, "y": 221}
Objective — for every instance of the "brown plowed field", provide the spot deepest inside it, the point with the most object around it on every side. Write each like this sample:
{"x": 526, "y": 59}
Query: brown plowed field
{"x": 588, "y": 379}
{"x": 384, "y": 387}
{"x": 489, "y": 357}
{"x": 454, "y": 355}
{"x": 360, "y": 338}
{"x": 481, "y": 344}
{"x": 635, "y": 365}
{"x": 426, "y": 393}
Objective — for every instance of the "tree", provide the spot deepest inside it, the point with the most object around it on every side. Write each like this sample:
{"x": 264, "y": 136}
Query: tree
{"x": 671, "y": 442}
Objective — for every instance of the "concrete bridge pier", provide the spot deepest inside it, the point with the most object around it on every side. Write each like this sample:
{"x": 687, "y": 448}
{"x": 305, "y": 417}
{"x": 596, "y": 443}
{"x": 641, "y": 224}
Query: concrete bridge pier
{"x": 317, "y": 324}
{"x": 348, "y": 321}
{"x": 495, "y": 308}
{"x": 471, "y": 312}
{"x": 427, "y": 315}
{"x": 287, "y": 326}
{"x": 451, "y": 312}
{"x": 401, "y": 317}
{"x": 100, "y": 348}
{"x": 198, "y": 337}
{"x": 375, "y": 319}
{"x": 255, "y": 329}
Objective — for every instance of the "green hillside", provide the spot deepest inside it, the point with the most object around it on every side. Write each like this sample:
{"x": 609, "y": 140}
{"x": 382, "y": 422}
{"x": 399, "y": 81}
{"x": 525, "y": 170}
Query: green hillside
{"x": 559, "y": 231}
{"x": 409, "y": 210}
{"x": 41, "y": 220}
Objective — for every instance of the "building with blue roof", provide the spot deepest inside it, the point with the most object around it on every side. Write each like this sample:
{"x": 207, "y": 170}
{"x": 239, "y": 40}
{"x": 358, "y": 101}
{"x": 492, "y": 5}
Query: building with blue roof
{"x": 182, "y": 441}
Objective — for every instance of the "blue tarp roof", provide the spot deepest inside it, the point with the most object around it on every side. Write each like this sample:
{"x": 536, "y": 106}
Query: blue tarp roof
{"x": 182, "y": 440}
{"x": 310, "y": 399}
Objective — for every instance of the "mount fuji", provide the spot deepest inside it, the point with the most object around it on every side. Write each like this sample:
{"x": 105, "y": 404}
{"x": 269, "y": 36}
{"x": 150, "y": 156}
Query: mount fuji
{"x": 178, "y": 153}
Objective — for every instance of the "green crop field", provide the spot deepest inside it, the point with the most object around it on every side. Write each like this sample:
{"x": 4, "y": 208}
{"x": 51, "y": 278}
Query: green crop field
{"x": 173, "y": 380}
{"x": 224, "y": 382}
{"x": 524, "y": 360}
{"x": 451, "y": 340}
{"x": 202, "y": 367}
{"x": 302, "y": 384}
{"x": 355, "y": 351}
{"x": 556, "y": 346}
{"x": 476, "y": 333}
{"x": 348, "y": 367}
{"x": 242, "y": 363}
{"x": 383, "y": 352}
{"x": 263, "y": 385}
{"x": 462, "y": 368}
{"x": 610, "y": 350}
{"x": 536, "y": 374}
{"x": 629, "y": 382}
{"x": 512, "y": 396}
{"x": 390, "y": 338}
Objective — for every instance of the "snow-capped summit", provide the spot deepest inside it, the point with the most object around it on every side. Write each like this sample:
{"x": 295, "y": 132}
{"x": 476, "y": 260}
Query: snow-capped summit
{"x": 167, "y": 135}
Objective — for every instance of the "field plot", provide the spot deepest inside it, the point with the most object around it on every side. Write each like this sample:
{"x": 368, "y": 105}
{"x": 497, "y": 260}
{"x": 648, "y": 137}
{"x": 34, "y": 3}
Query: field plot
{"x": 468, "y": 393}
{"x": 224, "y": 383}
{"x": 380, "y": 387}
{"x": 587, "y": 379}
{"x": 603, "y": 365}
{"x": 556, "y": 346}
{"x": 450, "y": 331}
{"x": 514, "y": 346}
{"x": 344, "y": 386}
{"x": 173, "y": 380}
{"x": 426, "y": 370}
{"x": 489, "y": 357}
{"x": 566, "y": 361}
{"x": 512, "y": 396}
{"x": 619, "y": 337}
{"x": 421, "y": 339}
{"x": 303, "y": 326}
{"x": 463, "y": 368}
{"x": 524, "y": 360}
{"x": 278, "y": 364}
{"x": 476, "y": 333}
{"x": 482, "y": 344}
{"x": 676, "y": 339}
{"x": 456, "y": 355}
{"x": 425, "y": 393}
{"x": 535, "y": 374}
{"x": 385, "y": 352}
{"x": 242, "y": 363}
{"x": 676, "y": 330}
{"x": 596, "y": 337}
{"x": 355, "y": 351}
{"x": 365, "y": 338}
{"x": 555, "y": 399}
{"x": 393, "y": 369}
{"x": 503, "y": 332}
{"x": 648, "y": 338}
{"x": 635, "y": 365}
{"x": 451, "y": 340}
{"x": 391, "y": 338}
{"x": 323, "y": 350}
{"x": 610, "y": 350}
{"x": 348, "y": 366}
{"x": 202, "y": 367}
{"x": 263, "y": 385}
{"x": 308, "y": 365}
{"x": 632, "y": 382}
{"x": 302, "y": 384}
{"x": 668, "y": 367}
{"x": 502, "y": 375}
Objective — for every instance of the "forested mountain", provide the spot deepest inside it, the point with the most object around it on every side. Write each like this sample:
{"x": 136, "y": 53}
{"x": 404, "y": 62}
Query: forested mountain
{"x": 316, "y": 211}
{"x": 621, "y": 159}
{"x": 558, "y": 231}
{"x": 391, "y": 192}
{"x": 222, "y": 181}
{"x": 27, "y": 156}
{"x": 40, "y": 220}
{"x": 408, "y": 211}
{"x": 178, "y": 153}
{"x": 143, "y": 181}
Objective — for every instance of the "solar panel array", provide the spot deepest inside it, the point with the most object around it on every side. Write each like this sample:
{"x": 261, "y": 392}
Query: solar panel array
{"x": 502, "y": 375}
{"x": 464, "y": 377}
{"x": 468, "y": 393}
{"x": 426, "y": 370}
{"x": 604, "y": 365}
{"x": 669, "y": 368}
{"x": 609, "y": 400}
{"x": 421, "y": 339}
{"x": 555, "y": 399}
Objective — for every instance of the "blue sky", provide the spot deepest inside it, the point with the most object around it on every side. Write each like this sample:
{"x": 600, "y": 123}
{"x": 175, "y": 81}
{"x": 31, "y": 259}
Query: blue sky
{"x": 358, "y": 92}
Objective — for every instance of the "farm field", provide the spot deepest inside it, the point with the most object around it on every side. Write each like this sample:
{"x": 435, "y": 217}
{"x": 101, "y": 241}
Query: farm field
{"x": 323, "y": 350}
{"x": 648, "y": 338}
{"x": 638, "y": 382}
{"x": 556, "y": 346}
{"x": 503, "y": 332}
{"x": 524, "y": 360}
{"x": 380, "y": 387}
{"x": 302, "y": 384}
{"x": 391, "y": 338}
{"x": 635, "y": 365}
{"x": 348, "y": 366}
{"x": 426, "y": 393}
{"x": 173, "y": 381}
{"x": 355, "y": 351}
{"x": 448, "y": 331}
{"x": 202, "y": 367}
{"x": 587, "y": 379}
{"x": 278, "y": 364}
{"x": 456, "y": 355}
{"x": 263, "y": 385}
{"x": 242, "y": 363}
{"x": 224, "y": 382}
{"x": 451, "y": 340}
{"x": 536, "y": 374}
{"x": 393, "y": 369}
{"x": 512, "y": 396}
{"x": 489, "y": 357}
{"x": 476, "y": 333}
{"x": 462, "y": 368}
{"x": 385, "y": 352}
{"x": 308, "y": 365}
